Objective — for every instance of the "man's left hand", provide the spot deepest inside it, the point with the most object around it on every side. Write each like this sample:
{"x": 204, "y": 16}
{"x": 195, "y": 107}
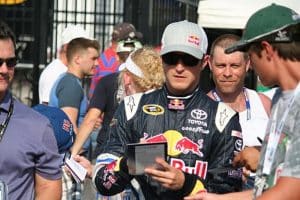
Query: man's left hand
{"x": 168, "y": 176}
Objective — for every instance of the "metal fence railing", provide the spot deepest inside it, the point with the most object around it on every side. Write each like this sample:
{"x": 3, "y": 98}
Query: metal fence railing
{"x": 39, "y": 24}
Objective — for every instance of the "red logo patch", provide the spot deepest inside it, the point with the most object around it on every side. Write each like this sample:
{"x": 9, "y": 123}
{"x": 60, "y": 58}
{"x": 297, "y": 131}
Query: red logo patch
{"x": 194, "y": 40}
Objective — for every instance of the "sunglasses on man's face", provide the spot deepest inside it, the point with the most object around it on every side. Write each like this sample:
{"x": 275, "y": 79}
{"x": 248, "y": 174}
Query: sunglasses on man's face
{"x": 186, "y": 59}
{"x": 10, "y": 62}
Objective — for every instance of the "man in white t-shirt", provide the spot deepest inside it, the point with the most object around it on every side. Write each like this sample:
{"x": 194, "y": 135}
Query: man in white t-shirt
{"x": 58, "y": 66}
{"x": 229, "y": 73}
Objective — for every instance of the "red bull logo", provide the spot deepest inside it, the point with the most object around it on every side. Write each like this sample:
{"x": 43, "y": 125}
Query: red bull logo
{"x": 111, "y": 166}
{"x": 157, "y": 138}
{"x": 200, "y": 168}
{"x": 176, "y": 104}
{"x": 185, "y": 145}
{"x": 177, "y": 144}
{"x": 194, "y": 39}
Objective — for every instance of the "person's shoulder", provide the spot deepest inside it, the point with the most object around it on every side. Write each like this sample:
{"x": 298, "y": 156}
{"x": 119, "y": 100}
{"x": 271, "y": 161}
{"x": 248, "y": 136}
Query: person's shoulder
{"x": 224, "y": 114}
{"x": 206, "y": 99}
{"x": 68, "y": 79}
{"x": 56, "y": 66}
{"x": 108, "y": 53}
{"x": 253, "y": 93}
{"x": 26, "y": 112}
{"x": 110, "y": 77}
{"x": 132, "y": 103}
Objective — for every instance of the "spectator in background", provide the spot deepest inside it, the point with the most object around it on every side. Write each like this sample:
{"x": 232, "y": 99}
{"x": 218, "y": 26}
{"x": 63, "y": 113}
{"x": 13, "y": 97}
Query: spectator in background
{"x": 105, "y": 100}
{"x": 58, "y": 66}
{"x": 125, "y": 47}
{"x": 29, "y": 160}
{"x": 67, "y": 92}
{"x": 108, "y": 61}
{"x": 229, "y": 72}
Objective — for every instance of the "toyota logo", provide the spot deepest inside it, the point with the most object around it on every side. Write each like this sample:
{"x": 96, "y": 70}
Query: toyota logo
{"x": 199, "y": 114}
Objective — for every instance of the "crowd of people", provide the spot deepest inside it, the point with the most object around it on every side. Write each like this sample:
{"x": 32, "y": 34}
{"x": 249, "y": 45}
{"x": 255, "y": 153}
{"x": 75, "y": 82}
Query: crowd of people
{"x": 231, "y": 143}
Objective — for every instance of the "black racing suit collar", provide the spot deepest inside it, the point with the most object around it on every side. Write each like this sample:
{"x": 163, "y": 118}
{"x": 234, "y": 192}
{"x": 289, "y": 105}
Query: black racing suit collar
{"x": 186, "y": 96}
{"x": 179, "y": 102}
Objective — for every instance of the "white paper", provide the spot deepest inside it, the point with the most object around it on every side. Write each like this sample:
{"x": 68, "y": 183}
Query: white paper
{"x": 78, "y": 172}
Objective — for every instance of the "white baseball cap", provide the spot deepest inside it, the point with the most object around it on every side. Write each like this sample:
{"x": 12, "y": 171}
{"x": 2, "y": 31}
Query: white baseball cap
{"x": 73, "y": 32}
{"x": 186, "y": 37}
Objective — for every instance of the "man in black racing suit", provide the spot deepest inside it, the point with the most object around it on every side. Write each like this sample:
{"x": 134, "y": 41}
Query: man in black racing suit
{"x": 202, "y": 135}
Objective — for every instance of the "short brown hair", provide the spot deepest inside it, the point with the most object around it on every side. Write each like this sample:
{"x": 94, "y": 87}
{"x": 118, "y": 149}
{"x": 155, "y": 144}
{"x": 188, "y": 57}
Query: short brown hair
{"x": 285, "y": 50}
{"x": 224, "y": 41}
{"x": 7, "y": 33}
{"x": 80, "y": 44}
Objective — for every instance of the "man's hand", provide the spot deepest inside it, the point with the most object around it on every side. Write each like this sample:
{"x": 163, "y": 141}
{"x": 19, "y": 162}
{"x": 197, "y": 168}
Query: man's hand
{"x": 98, "y": 122}
{"x": 168, "y": 176}
{"x": 248, "y": 158}
{"x": 84, "y": 163}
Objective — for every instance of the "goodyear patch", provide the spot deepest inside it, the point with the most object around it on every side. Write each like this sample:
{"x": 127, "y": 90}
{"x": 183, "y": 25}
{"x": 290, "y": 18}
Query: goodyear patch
{"x": 153, "y": 109}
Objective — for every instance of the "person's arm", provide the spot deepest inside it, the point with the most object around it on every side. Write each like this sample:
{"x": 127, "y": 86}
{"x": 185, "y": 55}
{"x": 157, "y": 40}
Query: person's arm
{"x": 285, "y": 188}
{"x": 46, "y": 189}
{"x": 267, "y": 103}
{"x": 72, "y": 113}
{"x": 48, "y": 173}
{"x": 97, "y": 105}
{"x": 70, "y": 96}
{"x": 85, "y": 129}
{"x": 111, "y": 174}
{"x": 245, "y": 195}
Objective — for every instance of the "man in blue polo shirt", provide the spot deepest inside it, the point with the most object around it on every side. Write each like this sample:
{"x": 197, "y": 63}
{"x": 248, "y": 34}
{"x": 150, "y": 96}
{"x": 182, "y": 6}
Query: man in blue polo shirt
{"x": 30, "y": 163}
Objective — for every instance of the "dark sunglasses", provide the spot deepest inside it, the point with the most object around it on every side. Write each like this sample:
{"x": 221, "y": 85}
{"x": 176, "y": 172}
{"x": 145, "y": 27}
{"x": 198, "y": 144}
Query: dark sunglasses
{"x": 186, "y": 59}
{"x": 10, "y": 62}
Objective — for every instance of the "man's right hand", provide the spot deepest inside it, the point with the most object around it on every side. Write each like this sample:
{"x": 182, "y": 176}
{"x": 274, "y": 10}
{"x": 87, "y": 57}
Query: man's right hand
{"x": 248, "y": 158}
{"x": 98, "y": 122}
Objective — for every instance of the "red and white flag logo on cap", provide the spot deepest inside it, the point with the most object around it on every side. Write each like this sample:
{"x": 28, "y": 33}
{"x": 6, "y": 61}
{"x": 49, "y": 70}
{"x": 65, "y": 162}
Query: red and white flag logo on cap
{"x": 194, "y": 40}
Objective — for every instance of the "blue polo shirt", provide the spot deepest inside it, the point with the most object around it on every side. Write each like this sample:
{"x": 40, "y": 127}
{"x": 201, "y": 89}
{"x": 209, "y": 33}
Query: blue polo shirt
{"x": 28, "y": 146}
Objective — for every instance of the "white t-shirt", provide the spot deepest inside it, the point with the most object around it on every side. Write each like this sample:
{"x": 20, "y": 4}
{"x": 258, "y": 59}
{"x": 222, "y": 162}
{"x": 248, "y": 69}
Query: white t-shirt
{"x": 257, "y": 124}
{"x": 48, "y": 78}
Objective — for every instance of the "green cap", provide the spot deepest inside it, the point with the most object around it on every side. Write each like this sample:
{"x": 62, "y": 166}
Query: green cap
{"x": 268, "y": 24}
